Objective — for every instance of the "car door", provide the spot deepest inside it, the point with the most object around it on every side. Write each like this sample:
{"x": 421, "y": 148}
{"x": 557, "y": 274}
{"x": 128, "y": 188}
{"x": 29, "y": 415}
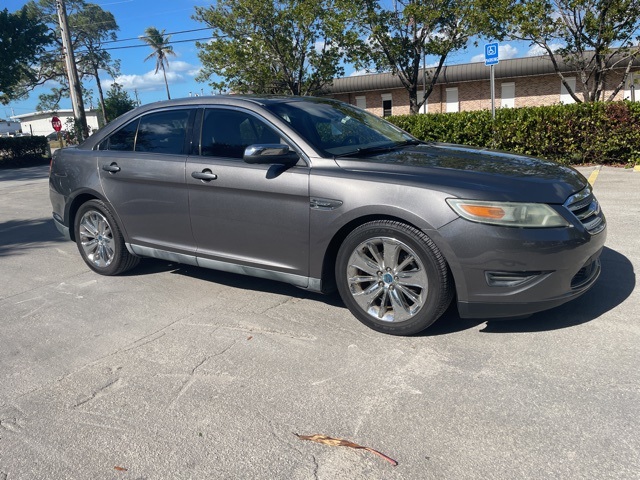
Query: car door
{"x": 242, "y": 214}
{"x": 142, "y": 170}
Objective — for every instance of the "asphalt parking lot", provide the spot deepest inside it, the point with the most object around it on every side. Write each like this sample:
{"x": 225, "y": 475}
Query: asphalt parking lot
{"x": 174, "y": 372}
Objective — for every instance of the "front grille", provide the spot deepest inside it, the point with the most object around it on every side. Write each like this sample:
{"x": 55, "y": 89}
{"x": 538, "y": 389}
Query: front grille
{"x": 587, "y": 210}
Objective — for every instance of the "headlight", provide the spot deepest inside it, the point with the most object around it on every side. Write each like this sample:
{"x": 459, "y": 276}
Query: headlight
{"x": 511, "y": 214}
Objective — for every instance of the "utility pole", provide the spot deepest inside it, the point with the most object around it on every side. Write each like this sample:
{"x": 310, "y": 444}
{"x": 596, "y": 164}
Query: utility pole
{"x": 74, "y": 83}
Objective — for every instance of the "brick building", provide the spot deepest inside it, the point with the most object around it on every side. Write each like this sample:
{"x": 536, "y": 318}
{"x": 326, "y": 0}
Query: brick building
{"x": 519, "y": 82}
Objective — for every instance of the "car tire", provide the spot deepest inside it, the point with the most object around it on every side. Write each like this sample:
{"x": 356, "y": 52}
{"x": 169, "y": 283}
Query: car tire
{"x": 393, "y": 278}
{"x": 100, "y": 240}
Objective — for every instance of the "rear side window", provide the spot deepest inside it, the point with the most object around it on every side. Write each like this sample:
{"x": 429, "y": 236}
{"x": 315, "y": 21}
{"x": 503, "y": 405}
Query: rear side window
{"x": 122, "y": 140}
{"x": 163, "y": 132}
{"x": 160, "y": 132}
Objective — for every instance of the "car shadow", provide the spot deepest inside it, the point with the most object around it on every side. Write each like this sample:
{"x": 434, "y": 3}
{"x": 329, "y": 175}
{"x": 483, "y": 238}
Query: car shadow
{"x": 35, "y": 169}
{"x": 617, "y": 281}
{"x": 615, "y": 284}
{"x": 20, "y": 236}
{"x": 149, "y": 266}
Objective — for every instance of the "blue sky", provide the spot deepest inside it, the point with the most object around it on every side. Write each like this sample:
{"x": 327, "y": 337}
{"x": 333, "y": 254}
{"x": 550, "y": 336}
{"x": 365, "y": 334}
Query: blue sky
{"x": 134, "y": 16}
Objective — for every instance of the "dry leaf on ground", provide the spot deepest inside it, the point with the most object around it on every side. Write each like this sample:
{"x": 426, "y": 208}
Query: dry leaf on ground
{"x": 339, "y": 442}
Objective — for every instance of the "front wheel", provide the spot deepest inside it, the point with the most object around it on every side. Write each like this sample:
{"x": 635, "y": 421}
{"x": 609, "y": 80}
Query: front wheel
{"x": 100, "y": 241}
{"x": 393, "y": 278}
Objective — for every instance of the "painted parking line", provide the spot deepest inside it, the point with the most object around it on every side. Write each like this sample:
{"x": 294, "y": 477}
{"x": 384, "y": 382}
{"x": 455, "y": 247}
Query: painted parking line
{"x": 594, "y": 175}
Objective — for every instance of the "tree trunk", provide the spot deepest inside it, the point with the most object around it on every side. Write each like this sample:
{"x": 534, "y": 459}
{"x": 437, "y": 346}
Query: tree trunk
{"x": 100, "y": 95}
{"x": 164, "y": 72}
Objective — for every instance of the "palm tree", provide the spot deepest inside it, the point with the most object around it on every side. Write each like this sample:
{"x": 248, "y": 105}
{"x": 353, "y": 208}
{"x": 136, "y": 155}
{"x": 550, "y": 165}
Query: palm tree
{"x": 161, "y": 49}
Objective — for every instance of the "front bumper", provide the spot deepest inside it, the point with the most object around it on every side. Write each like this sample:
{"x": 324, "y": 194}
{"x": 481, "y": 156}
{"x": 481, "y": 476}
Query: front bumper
{"x": 505, "y": 272}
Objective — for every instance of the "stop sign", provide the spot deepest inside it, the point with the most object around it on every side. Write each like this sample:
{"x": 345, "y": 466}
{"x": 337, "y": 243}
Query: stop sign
{"x": 56, "y": 124}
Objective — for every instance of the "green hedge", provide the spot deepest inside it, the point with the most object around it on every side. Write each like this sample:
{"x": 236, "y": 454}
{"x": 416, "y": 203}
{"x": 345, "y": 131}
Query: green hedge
{"x": 601, "y": 133}
{"x": 23, "y": 151}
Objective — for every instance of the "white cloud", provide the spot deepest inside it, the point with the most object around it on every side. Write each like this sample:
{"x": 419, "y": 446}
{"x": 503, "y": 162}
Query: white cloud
{"x": 537, "y": 50}
{"x": 358, "y": 73}
{"x": 178, "y": 72}
{"x": 505, "y": 52}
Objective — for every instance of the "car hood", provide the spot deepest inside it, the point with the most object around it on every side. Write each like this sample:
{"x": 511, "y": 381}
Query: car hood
{"x": 470, "y": 172}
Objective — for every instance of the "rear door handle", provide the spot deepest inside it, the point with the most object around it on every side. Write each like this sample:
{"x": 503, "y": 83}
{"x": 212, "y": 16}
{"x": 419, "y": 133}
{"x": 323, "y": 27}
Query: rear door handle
{"x": 113, "y": 168}
{"x": 205, "y": 175}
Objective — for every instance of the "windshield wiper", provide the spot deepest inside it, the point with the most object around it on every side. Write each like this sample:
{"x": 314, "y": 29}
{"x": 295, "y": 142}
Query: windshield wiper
{"x": 408, "y": 143}
{"x": 379, "y": 148}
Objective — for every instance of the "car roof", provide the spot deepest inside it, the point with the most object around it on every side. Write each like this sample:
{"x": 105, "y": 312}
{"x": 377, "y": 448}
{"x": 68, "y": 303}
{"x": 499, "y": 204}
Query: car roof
{"x": 232, "y": 99}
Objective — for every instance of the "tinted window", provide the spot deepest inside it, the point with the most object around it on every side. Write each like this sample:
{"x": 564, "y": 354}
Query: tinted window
{"x": 122, "y": 140}
{"x": 163, "y": 132}
{"x": 226, "y": 133}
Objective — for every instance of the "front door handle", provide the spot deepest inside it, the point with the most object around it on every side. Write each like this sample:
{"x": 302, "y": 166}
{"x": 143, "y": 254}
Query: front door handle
{"x": 205, "y": 175}
{"x": 113, "y": 168}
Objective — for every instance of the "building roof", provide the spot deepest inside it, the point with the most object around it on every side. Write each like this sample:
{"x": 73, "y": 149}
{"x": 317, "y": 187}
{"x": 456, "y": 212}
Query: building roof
{"x": 50, "y": 113}
{"x": 467, "y": 72}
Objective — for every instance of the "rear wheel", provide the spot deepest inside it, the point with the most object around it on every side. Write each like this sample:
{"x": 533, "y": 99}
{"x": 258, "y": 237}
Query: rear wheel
{"x": 393, "y": 278}
{"x": 100, "y": 241}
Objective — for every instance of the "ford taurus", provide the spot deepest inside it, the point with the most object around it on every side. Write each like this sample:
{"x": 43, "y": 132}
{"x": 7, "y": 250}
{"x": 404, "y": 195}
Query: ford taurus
{"x": 322, "y": 195}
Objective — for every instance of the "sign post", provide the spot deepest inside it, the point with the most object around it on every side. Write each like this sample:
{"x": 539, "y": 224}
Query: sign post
{"x": 491, "y": 59}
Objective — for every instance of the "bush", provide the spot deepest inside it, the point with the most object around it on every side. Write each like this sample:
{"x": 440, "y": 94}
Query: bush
{"x": 23, "y": 151}
{"x": 602, "y": 133}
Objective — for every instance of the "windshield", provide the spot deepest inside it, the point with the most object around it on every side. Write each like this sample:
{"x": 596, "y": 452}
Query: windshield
{"x": 338, "y": 129}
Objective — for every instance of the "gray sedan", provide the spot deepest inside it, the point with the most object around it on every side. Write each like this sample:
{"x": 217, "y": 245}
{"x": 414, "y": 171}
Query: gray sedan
{"x": 322, "y": 195}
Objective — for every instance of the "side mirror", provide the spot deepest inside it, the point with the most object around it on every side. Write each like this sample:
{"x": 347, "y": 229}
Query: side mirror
{"x": 270, "y": 153}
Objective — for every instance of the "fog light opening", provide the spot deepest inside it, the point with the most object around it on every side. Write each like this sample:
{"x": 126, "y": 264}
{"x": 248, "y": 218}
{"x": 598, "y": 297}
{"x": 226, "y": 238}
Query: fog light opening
{"x": 510, "y": 279}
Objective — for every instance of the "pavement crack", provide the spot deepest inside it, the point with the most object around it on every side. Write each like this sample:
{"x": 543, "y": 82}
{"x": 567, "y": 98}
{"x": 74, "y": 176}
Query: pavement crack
{"x": 225, "y": 350}
{"x": 186, "y": 385}
{"x": 100, "y": 392}
{"x": 204, "y": 360}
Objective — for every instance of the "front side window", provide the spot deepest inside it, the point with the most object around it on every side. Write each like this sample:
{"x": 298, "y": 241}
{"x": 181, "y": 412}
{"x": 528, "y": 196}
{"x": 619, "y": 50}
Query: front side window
{"x": 227, "y": 133}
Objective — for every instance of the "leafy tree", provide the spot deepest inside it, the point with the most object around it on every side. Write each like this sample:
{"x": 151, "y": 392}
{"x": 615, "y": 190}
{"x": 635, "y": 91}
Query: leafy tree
{"x": 161, "y": 49}
{"x": 290, "y": 47}
{"x": 22, "y": 40}
{"x": 94, "y": 27}
{"x": 90, "y": 27}
{"x": 118, "y": 101}
{"x": 399, "y": 39}
{"x": 591, "y": 36}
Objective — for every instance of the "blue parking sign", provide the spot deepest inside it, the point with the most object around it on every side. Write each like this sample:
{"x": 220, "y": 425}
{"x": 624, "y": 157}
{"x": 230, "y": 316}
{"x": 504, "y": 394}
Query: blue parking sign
{"x": 491, "y": 54}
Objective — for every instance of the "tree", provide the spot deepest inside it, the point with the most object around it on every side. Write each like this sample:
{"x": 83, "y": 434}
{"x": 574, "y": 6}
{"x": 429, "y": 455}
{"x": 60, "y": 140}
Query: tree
{"x": 399, "y": 39}
{"x": 290, "y": 47}
{"x": 94, "y": 27}
{"x": 118, "y": 101}
{"x": 161, "y": 49}
{"x": 90, "y": 27}
{"x": 592, "y": 37}
{"x": 22, "y": 40}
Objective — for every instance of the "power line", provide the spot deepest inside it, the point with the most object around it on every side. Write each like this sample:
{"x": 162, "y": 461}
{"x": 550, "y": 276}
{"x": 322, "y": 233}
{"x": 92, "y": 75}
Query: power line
{"x": 170, "y": 33}
{"x": 145, "y": 45}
